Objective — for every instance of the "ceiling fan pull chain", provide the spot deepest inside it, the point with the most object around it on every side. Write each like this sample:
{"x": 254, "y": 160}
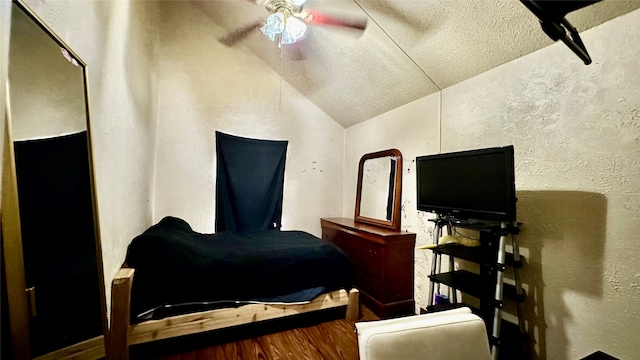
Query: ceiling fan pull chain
{"x": 281, "y": 76}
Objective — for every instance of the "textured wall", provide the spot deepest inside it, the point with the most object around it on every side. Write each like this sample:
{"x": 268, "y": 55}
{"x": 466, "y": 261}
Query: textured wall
{"x": 5, "y": 32}
{"x": 575, "y": 130}
{"x": 46, "y": 90}
{"x": 116, "y": 40}
{"x": 576, "y": 133}
{"x": 413, "y": 129}
{"x": 207, "y": 87}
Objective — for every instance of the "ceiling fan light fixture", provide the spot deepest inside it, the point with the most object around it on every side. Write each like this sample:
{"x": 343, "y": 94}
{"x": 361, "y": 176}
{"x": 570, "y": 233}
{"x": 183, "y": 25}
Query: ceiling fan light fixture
{"x": 294, "y": 29}
{"x": 289, "y": 20}
{"x": 275, "y": 25}
{"x": 290, "y": 28}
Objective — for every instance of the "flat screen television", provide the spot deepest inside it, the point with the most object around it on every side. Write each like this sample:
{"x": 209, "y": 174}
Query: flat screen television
{"x": 468, "y": 185}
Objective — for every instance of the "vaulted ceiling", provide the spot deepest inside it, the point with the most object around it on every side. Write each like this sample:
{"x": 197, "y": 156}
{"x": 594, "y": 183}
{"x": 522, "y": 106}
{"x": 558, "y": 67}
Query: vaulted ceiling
{"x": 410, "y": 48}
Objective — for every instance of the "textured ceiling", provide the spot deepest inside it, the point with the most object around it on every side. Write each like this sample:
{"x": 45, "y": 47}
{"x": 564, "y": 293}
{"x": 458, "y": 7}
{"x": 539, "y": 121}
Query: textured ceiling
{"x": 410, "y": 48}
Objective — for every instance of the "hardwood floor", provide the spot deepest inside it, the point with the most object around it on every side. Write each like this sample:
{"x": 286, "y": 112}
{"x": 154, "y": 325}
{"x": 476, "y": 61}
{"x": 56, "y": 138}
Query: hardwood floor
{"x": 309, "y": 337}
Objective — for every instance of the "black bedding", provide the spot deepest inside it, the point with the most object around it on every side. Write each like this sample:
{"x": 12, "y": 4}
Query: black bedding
{"x": 179, "y": 270}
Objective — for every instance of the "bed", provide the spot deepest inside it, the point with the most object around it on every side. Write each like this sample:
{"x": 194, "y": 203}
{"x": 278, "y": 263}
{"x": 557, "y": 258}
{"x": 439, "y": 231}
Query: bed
{"x": 187, "y": 282}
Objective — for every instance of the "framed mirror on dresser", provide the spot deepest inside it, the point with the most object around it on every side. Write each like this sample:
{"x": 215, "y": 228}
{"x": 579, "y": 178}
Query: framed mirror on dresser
{"x": 379, "y": 190}
{"x": 52, "y": 281}
{"x": 382, "y": 255}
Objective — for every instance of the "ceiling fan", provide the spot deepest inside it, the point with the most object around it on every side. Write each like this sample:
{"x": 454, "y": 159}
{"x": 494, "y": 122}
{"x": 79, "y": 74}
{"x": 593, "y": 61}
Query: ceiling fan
{"x": 287, "y": 22}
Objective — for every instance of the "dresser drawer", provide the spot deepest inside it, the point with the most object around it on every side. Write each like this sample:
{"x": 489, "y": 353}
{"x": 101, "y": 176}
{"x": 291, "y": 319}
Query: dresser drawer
{"x": 366, "y": 255}
{"x": 373, "y": 287}
{"x": 382, "y": 262}
{"x": 337, "y": 237}
{"x": 368, "y": 266}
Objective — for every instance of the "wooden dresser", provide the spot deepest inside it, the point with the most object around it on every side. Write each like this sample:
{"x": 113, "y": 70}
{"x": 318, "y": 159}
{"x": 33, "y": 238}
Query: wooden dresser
{"x": 383, "y": 261}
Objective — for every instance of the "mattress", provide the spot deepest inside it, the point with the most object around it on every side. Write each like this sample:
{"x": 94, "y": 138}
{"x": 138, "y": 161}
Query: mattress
{"x": 179, "y": 270}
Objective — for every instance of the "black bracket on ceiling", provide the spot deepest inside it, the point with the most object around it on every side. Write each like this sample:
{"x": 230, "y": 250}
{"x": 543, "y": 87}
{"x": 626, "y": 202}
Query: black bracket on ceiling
{"x": 555, "y": 25}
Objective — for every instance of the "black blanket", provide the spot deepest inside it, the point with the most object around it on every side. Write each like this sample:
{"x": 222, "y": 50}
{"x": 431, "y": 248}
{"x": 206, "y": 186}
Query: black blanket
{"x": 177, "y": 268}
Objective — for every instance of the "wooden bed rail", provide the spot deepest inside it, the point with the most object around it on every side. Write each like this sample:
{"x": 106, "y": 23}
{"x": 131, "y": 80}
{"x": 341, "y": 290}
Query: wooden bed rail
{"x": 120, "y": 314}
{"x": 123, "y": 334}
{"x": 353, "y": 306}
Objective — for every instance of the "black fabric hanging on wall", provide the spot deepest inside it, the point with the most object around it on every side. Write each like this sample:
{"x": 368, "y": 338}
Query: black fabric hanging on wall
{"x": 249, "y": 183}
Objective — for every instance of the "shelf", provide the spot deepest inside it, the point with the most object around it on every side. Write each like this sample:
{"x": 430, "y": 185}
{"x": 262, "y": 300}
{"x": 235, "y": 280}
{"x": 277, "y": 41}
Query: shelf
{"x": 464, "y": 281}
{"x": 480, "y": 255}
{"x": 491, "y": 226}
{"x": 510, "y": 343}
{"x": 473, "y": 284}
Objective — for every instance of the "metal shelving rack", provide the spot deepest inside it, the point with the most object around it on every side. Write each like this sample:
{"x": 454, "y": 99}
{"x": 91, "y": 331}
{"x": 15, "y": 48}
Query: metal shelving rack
{"x": 488, "y": 285}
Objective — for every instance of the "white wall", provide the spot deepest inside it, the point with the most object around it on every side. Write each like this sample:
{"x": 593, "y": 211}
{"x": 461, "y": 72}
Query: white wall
{"x": 46, "y": 91}
{"x": 576, "y": 133}
{"x": 207, "y": 87}
{"x": 116, "y": 40}
{"x": 5, "y": 33}
{"x": 575, "y": 130}
{"x": 414, "y": 130}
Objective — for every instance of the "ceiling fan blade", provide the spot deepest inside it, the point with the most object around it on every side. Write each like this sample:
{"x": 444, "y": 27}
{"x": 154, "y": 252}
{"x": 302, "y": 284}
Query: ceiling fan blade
{"x": 318, "y": 18}
{"x": 235, "y": 36}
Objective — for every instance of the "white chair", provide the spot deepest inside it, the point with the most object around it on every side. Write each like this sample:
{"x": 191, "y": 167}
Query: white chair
{"x": 452, "y": 335}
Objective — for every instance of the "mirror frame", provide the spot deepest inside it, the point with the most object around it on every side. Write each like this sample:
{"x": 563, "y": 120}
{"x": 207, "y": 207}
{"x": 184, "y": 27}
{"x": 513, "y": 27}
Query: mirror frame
{"x": 12, "y": 238}
{"x": 394, "y": 223}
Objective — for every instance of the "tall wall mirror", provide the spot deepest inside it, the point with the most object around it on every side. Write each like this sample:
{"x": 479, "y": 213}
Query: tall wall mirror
{"x": 379, "y": 190}
{"x": 52, "y": 258}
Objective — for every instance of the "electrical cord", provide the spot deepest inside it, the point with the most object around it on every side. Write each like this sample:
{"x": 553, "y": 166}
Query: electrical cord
{"x": 460, "y": 234}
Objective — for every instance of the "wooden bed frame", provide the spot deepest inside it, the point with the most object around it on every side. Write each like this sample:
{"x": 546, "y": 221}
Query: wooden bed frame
{"x": 122, "y": 333}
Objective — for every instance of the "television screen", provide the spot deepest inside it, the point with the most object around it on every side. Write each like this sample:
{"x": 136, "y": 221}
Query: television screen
{"x": 475, "y": 184}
